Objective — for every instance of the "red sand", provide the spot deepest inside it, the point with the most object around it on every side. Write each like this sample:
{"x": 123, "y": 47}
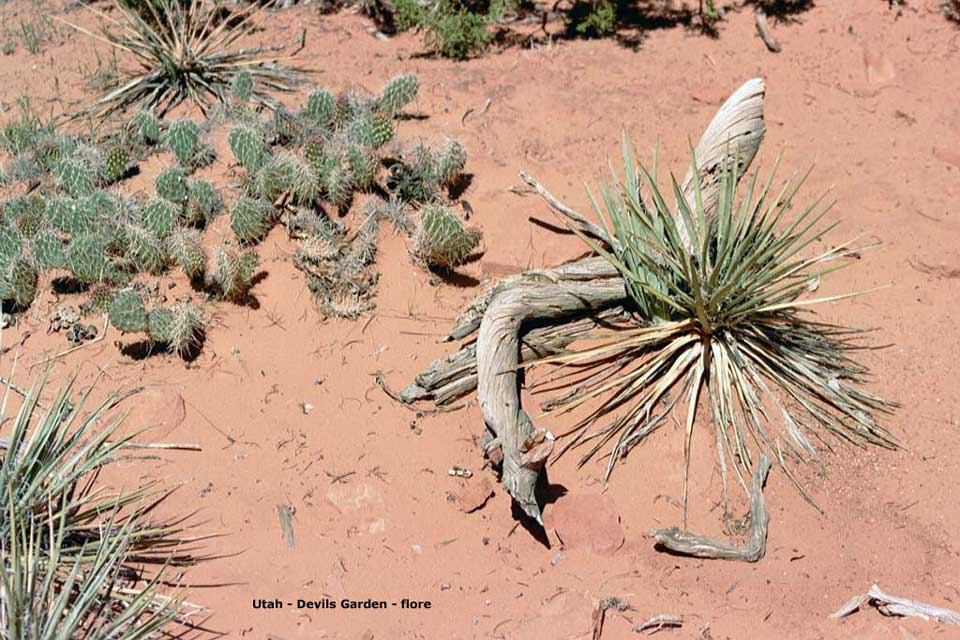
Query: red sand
{"x": 871, "y": 97}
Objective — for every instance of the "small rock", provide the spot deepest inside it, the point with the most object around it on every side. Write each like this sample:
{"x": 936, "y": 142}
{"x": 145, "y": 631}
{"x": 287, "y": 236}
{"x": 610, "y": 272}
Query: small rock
{"x": 307, "y": 408}
{"x": 445, "y": 586}
{"x": 557, "y": 559}
{"x": 460, "y": 472}
{"x": 474, "y": 494}
{"x": 589, "y": 521}
{"x": 417, "y": 549}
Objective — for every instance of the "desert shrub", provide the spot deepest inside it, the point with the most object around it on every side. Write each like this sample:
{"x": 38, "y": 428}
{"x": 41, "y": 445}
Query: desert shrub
{"x": 79, "y": 559}
{"x": 453, "y": 29}
{"x": 185, "y": 51}
{"x": 594, "y": 19}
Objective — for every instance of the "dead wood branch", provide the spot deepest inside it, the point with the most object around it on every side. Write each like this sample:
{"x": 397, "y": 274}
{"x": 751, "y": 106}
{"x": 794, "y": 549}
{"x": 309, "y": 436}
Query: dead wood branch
{"x": 763, "y": 29}
{"x": 585, "y": 225}
{"x": 890, "y": 605}
{"x": 525, "y": 448}
{"x": 454, "y": 376}
{"x": 734, "y": 134}
{"x": 658, "y": 623}
{"x": 692, "y": 544}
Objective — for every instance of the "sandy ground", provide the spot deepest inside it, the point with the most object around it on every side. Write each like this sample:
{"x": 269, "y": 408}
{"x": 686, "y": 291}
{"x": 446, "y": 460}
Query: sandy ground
{"x": 868, "y": 96}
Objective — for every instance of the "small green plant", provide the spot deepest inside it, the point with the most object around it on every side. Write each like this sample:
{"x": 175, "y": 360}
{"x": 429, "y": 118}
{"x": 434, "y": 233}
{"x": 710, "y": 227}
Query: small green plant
{"x": 117, "y": 164}
{"x": 441, "y": 240}
{"x": 453, "y": 31}
{"x": 593, "y": 19}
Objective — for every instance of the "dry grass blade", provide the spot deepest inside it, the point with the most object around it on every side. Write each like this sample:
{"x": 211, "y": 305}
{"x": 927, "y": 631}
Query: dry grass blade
{"x": 724, "y": 312}
{"x": 182, "y": 52}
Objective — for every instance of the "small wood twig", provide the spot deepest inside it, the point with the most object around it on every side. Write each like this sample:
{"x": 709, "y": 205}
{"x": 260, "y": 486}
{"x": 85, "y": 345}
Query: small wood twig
{"x": 658, "y": 623}
{"x": 890, "y": 605}
{"x": 285, "y": 514}
{"x": 763, "y": 29}
{"x": 587, "y": 226}
{"x": 700, "y": 546}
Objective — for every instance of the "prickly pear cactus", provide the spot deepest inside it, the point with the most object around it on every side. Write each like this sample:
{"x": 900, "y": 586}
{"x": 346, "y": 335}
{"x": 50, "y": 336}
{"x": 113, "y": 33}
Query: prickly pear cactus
{"x": 382, "y": 130}
{"x": 87, "y": 256}
{"x": 117, "y": 164}
{"x": 185, "y": 248}
{"x": 313, "y": 153}
{"x": 248, "y": 147}
{"x": 101, "y": 296}
{"x": 338, "y": 182}
{"x": 203, "y": 202}
{"x": 182, "y": 138}
{"x": 160, "y": 323}
{"x": 171, "y": 184}
{"x": 250, "y": 219}
{"x": 127, "y": 311}
{"x": 143, "y": 248}
{"x": 285, "y": 127}
{"x": 71, "y": 215}
{"x": 147, "y": 126}
{"x": 160, "y": 216}
{"x": 187, "y": 330}
{"x": 241, "y": 89}
{"x": 46, "y": 247}
{"x": 399, "y": 92}
{"x": 18, "y": 282}
{"x": 233, "y": 274}
{"x": 442, "y": 241}
{"x": 11, "y": 243}
{"x": 75, "y": 177}
{"x": 320, "y": 108}
{"x": 452, "y": 160}
{"x": 363, "y": 165}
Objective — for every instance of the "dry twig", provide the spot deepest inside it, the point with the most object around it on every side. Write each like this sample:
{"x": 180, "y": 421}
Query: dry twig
{"x": 890, "y": 605}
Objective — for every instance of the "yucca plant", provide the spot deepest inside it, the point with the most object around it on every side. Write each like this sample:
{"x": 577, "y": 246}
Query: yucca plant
{"x": 75, "y": 556}
{"x": 183, "y": 51}
{"x": 721, "y": 298}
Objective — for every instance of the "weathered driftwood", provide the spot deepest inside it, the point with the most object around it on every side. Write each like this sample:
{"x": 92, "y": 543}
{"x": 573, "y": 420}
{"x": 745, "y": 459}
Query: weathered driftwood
{"x": 890, "y": 605}
{"x": 763, "y": 29}
{"x": 454, "y": 376}
{"x": 658, "y": 623}
{"x": 559, "y": 295}
{"x": 734, "y": 134}
{"x": 692, "y": 544}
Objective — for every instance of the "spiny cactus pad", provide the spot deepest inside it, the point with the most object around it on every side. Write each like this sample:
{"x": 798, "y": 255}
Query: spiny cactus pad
{"x": 248, "y": 147}
{"x": 321, "y": 107}
{"x": 160, "y": 216}
{"x": 203, "y": 202}
{"x": 250, "y": 219}
{"x": 242, "y": 86}
{"x": 47, "y": 249}
{"x": 18, "y": 281}
{"x": 453, "y": 159}
{"x": 442, "y": 240}
{"x": 399, "y": 92}
{"x": 147, "y": 126}
{"x": 171, "y": 184}
{"x": 234, "y": 273}
{"x": 182, "y": 138}
{"x": 117, "y": 164}
{"x": 75, "y": 177}
{"x": 143, "y": 248}
{"x": 160, "y": 324}
{"x": 185, "y": 248}
{"x": 127, "y": 312}
{"x": 87, "y": 256}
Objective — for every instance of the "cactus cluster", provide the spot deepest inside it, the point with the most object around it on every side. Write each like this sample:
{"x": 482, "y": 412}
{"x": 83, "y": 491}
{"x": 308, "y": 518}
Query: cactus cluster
{"x": 233, "y": 274}
{"x": 178, "y": 327}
